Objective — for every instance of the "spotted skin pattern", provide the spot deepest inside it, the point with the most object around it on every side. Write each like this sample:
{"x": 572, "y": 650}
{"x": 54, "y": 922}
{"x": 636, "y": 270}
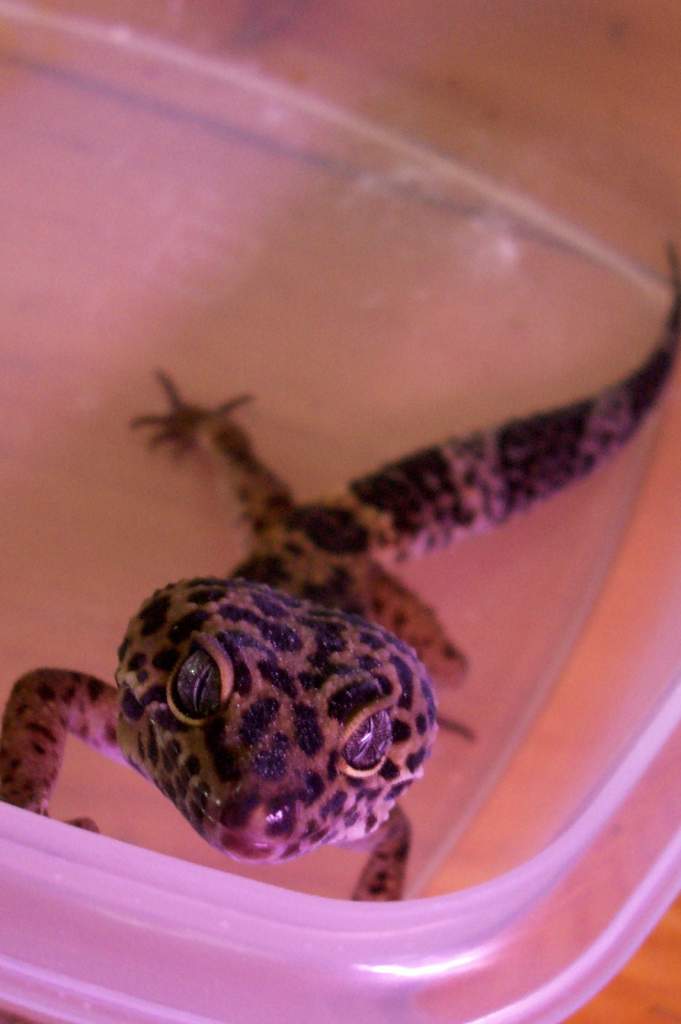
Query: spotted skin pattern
{"x": 290, "y": 704}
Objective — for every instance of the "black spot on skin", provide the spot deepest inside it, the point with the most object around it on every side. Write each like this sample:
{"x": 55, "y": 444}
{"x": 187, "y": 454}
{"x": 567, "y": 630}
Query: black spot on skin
{"x": 243, "y": 681}
{"x": 122, "y": 649}
{"x": 401, "y": 731}
{"x": 237, "y": 613}
{"x": 313, "y": 788}
{"x": 283, "y": 638}
{"x": 371, "y": 822}
{"x": 46, "y": 693}
{"x": 308, "y": 734}
{"x": 94, "y": 689}
{"x": 351, "y": 819}
{"x": 142, "y": 675}
{"x": 152, "y": 745}
{"x": 166, "y": 720}
{"x": 181, "y": 785}
{"x": 192, "y": 765}
{"x": 155, "y": 694}
{"x": 540, "y": 454}
{"x": 331, "y": 529}
{"x": 352, "y": 698}
{"x": 278, "y": 676}
{"x": 137, "y": 661}
{"x": 130, "y": 706}
{"x": 41, "y": 730}
{"x": 421, "y": 724}
{"x": 334, "y": 805}
{"x": 372, "y": 640}
{"x": 187, "y": 625}
{"x": 38, "y": 748}
{"x": 644, "y": 386}
{"x": 430, "y": 702}
{"x": 154, "y": 615}
{"x": 331, "y": 769}
{"x": 384, "y": 683}
{"x": 206, "y": 595}
{"x": 263, "y": 569}
{"x": 281, "y": 815}
{"x": 389, "y": 770}
{"x": 165, "y": 659}
{"x": 415, "y": 760}
{"x": 271, "y": 763}
{"x": 224, "y": 757}
{"x": 398, "y": 789}
{"x": 257, "y": 719}
{"x": 329, "y": 640}
{"x": 406, "y": 679}
{"x": 268, "y": 606}
{"x": 402, "y": 852}
{"x": 237, "y": 810}
{"x": 312, "y": 680}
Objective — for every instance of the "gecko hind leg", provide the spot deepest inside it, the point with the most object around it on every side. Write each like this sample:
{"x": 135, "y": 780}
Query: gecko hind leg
{"x": 262, "y": 495}
{"x": 43, "y": 707}
{"x": 399, "y": 609}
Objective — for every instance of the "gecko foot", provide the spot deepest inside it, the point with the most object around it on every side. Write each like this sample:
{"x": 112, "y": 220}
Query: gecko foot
{"x": 87, "y": 823}
{"x": 180, "y": 425}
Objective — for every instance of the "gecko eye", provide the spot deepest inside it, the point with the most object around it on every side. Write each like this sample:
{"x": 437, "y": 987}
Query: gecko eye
{"x": 367, "y": 745}
{"x": 200, "y": 684}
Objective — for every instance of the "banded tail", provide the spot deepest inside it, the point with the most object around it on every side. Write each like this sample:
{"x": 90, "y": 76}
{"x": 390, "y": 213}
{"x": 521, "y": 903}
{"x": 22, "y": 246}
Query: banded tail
{"x": 442, "y": 493}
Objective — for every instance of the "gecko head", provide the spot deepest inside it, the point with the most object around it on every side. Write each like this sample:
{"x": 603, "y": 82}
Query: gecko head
{"x": 273, "y": 724}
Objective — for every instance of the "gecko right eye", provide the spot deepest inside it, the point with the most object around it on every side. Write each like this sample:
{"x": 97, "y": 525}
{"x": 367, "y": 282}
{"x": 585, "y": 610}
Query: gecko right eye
{"x": 199, "y": 686}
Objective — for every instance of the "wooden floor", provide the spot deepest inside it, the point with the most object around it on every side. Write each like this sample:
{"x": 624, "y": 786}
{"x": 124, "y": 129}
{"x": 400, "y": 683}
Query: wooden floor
{"x": 648, "y": 990}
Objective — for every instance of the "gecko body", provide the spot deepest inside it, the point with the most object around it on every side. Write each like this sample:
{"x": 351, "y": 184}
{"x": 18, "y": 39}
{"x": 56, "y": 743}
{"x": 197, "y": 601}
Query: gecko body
{"x": 290, "y": 704}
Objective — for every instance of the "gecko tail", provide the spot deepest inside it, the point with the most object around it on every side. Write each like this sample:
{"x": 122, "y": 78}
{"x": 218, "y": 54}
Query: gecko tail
{"x": 467, "y": 485}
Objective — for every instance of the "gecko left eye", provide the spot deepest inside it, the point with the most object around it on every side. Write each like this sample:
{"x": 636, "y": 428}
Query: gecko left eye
{"x": 197, "y": 688}
{"x": 367, "y": 745}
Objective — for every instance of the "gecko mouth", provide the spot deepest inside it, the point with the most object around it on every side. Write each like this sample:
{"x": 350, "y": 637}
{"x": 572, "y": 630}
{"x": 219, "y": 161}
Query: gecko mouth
{"x": 244, "y": 847}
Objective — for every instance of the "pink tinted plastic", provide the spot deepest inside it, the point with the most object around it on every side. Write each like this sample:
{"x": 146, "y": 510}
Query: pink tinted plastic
{"x": 169, "y": 210}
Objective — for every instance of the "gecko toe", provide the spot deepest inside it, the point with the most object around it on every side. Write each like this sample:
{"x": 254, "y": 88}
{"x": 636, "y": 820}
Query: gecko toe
{"x": 85, "y": 823}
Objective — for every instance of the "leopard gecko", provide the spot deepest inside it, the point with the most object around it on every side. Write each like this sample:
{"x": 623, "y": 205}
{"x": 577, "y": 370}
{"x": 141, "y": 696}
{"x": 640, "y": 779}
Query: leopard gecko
{"x": 291, "y": 703}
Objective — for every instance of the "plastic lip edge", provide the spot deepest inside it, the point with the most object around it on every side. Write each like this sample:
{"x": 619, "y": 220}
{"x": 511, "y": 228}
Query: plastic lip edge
{"x": 595, "y": 966}
{"x": 22, "y": 998}
{"x": 581, "y": 978}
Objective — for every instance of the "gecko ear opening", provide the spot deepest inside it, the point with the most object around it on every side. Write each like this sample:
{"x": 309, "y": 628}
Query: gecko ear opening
{"x": 366, "y": 744}
{"x": 201, "y": 683}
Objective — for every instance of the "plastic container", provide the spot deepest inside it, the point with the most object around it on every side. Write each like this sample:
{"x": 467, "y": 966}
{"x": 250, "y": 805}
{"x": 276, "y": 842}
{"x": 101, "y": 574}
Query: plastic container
{"x": 174, "y": 209}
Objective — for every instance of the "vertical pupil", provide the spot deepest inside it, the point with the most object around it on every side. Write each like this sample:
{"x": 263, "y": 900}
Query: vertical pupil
{"x": 367, "y": 745}
{"x": 196, "y": 690}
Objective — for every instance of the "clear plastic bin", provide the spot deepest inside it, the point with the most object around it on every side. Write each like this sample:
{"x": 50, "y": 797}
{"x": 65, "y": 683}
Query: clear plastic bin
{"x": 169, "y": 208}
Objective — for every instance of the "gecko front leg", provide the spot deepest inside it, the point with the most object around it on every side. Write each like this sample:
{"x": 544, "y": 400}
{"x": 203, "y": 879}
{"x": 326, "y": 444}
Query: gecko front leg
{"x": 263, "y": 496}
{"x": 382, "y": 878}
{"x": 44, "y": 706}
